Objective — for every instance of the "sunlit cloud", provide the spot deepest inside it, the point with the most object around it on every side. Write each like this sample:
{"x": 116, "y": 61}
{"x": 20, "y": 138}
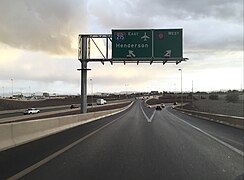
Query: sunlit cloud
{"x": 39, "y": 42}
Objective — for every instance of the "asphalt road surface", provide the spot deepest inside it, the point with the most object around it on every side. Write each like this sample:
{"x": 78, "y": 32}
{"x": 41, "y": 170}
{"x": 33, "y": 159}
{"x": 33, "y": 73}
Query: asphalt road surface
{"x": 140, "y": 143}
{"x": 21, "y": 112}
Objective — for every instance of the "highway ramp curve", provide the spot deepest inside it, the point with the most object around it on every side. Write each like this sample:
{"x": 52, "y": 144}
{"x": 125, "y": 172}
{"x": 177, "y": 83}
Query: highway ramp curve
{"x": 138, "y": 143}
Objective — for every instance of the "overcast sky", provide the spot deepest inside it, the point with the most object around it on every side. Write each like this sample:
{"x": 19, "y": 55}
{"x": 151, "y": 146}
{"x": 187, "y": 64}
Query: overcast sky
{"x": 38, "y": 44}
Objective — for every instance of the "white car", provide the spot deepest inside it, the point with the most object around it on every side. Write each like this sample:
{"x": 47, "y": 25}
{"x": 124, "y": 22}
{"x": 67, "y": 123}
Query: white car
{"x": 31, "y": 111}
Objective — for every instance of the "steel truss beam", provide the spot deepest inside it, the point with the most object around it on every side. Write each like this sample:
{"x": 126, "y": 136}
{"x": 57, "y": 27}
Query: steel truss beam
{"x": 108, "y": 37}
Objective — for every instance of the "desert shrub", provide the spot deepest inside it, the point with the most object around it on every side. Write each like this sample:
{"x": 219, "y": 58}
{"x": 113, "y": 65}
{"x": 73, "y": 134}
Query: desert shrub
{"x": 213, "y": 97}
{"x": 232, "y": 97}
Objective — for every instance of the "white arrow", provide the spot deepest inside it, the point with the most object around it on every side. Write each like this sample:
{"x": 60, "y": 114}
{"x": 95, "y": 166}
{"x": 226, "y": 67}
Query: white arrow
{"x": 131, "y": 54}
{"x": 167, "y": 54}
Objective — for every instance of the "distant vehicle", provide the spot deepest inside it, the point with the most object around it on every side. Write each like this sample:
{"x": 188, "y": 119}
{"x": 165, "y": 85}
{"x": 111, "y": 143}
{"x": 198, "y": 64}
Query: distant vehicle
{"x": 31, "y": 111}
{"x": 175, "y": 103}
{"x": 73, "y": 106}
{"x": 101, "y": 101}
{"x": 158, "y": 108}
{"x": 89, "y": 104}
{"x": 163, "y": 105}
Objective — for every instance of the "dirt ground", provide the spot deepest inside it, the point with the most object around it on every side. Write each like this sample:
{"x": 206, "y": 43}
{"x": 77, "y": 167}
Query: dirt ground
{"x": 206, "y": 105}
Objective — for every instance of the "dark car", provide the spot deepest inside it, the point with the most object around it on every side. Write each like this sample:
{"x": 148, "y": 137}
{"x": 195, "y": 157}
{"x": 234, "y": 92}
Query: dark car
{"x": 158, "y": 108}
{"x": 73, "y": 106}
{"x": 175, "y": 103}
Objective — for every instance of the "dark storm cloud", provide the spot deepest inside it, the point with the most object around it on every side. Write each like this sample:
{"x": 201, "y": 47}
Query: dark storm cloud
{"x": 129, "y": 13}
{"x": 192, "y": 9}
{"x": 42, "y": 25}
{"x": 207, "y": 24}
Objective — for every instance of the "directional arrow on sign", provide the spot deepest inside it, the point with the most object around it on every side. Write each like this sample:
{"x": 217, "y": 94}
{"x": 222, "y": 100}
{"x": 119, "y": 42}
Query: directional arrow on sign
{"x": 131, "y": 54}
{"x": 167, "y": 54}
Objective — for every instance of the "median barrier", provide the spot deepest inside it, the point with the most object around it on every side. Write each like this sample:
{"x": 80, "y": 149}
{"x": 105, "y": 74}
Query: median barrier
{"x": 233, "y": 121}
{"x": 17, "y": 133}
{"x": 6, "y": 139}
{"x": 40, "y": 115}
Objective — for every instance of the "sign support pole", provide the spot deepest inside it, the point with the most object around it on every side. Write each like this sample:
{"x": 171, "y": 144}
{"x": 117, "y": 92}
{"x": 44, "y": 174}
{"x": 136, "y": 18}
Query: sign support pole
{"x": 83, "y": 105}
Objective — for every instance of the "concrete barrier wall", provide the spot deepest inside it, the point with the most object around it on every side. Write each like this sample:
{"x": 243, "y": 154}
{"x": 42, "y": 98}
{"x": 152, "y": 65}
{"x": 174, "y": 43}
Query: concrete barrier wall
{"x": 233, "y": 121}
{"x": 6, "y": 139}
{"x": 14, "y": 134}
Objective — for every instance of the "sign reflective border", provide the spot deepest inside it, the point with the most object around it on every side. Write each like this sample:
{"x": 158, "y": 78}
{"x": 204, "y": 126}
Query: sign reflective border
{"x": 147, "y": 43}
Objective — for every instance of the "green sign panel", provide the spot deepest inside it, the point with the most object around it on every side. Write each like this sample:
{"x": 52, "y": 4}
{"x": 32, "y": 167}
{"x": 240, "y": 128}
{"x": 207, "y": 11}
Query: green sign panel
{"x": 147, "y": 43}
{"x": 132, "y": 43}
{"x": 167, "y": 43}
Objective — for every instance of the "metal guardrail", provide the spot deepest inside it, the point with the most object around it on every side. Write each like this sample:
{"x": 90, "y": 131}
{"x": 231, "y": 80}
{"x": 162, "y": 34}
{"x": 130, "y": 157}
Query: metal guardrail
{"x": 233, "y": 121}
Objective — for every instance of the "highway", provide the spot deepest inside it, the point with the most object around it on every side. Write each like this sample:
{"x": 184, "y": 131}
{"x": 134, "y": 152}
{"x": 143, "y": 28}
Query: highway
{"x": 139, "y": 143}
{"x": 19, "y": 112}
{"x": 56, "y": 111}
{"x": 15, "y": 113}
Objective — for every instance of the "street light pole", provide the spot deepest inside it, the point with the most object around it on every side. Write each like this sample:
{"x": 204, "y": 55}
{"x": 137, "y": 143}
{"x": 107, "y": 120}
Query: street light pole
{"x": 12, "y": 87}
{"x": 181, "y": 88}
{"x": 175, "y": 93}
{"x": 91, "y": 91}
{"x": 30, "y": 91}
{"x": 192, "y": 94}
{"x": 3, "y": 91}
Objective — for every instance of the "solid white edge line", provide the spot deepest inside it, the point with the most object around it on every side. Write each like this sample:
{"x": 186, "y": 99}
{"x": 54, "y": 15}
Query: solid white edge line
{"x": 209, "y": 135}
{"x": 54, "y": 155}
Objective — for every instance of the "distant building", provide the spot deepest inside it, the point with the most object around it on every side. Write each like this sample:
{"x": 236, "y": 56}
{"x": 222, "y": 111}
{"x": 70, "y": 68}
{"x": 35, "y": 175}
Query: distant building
{"x": 18, "y": 96}
{"x": 104, "y": 94}
{"x": 154, "y": 92}
{"x": 45, "y": 95}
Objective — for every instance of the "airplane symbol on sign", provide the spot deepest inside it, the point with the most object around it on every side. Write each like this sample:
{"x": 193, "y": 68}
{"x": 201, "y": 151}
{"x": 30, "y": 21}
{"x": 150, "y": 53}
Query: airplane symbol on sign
{"x": 145, "y": 37}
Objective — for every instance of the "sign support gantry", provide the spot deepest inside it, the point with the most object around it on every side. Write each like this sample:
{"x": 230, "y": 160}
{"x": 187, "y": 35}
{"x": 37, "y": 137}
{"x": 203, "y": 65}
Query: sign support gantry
{"x": 129, "y": 46}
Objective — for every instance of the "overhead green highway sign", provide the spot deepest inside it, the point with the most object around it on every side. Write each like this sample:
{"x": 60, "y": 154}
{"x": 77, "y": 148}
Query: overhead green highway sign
{"x": 167, "y": 43}
{"x": 132, "y": 43}
{"x": 147, "y": 44}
